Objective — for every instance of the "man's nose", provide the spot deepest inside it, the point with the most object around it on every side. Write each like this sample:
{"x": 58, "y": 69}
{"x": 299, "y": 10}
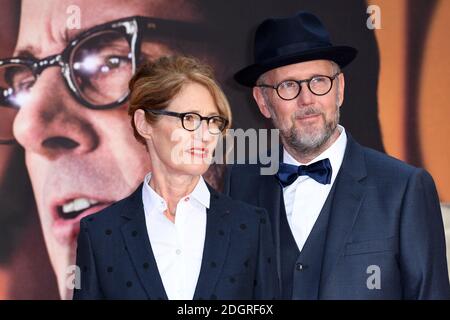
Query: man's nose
{"x": 305, "y": 97}
{"x": 51, "y": 122}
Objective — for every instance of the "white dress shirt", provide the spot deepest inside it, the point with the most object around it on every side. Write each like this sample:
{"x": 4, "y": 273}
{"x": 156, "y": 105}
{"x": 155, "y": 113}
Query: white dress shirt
{"x": 177, "y": 247}
{"x": 305, "y": 198}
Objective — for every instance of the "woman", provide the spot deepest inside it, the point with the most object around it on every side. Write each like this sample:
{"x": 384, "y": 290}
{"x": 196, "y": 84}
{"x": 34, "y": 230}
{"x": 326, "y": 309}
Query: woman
{"x": 175, "y": 237}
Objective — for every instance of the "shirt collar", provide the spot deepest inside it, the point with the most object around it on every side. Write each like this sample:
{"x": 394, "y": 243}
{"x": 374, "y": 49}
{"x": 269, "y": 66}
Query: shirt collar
{"x": 335, "y": 153}
{"x": 152, "y": 199}
{"x": 201, "y": 193}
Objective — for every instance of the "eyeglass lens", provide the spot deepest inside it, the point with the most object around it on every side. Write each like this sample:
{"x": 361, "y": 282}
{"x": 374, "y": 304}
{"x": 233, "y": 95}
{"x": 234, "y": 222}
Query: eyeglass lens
{"x": 100, "y": 67}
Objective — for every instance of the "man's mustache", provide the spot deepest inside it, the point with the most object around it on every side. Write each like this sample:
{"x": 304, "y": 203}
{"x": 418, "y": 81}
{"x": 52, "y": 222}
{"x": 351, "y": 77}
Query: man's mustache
{"x": 307, "y": 111}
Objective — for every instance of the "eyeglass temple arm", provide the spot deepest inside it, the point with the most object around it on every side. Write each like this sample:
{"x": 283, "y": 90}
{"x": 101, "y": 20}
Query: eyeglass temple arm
{"x": 265, "y": 86}
{"x": 165, "y": 112}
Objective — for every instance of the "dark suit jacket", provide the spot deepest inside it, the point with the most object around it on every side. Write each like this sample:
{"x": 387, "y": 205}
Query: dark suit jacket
{"x": 116, "y": 260}
{"x": 384, "y": 213}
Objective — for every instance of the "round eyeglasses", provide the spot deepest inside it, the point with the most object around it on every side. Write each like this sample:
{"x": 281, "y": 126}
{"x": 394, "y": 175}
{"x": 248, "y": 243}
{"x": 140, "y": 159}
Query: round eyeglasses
{"x": 191, "y": 121}
{"x": 319, "y": 85}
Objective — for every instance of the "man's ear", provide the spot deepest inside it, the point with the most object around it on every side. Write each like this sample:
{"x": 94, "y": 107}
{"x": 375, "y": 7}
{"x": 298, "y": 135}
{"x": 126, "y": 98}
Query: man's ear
{"x": 341, "y": 90}
{"x": 142, "y": 126}
{"x": 261, "y": 102}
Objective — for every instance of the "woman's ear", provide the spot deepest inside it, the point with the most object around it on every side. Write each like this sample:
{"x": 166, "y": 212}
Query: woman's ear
{"x": 142, "y": 126}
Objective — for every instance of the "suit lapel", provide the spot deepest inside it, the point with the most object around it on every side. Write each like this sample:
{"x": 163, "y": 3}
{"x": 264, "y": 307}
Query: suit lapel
{"x": 217, "y": 241}
{"x": 348, "y": 196}
{"x": 270, "y": 198}
{"x": 135, "y": 235}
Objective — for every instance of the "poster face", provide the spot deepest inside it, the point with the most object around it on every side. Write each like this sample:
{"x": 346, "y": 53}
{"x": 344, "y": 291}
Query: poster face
{"x": 67, "y": 148}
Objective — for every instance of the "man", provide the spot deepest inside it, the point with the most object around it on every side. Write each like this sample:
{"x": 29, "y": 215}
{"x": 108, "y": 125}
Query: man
{"x": 349, "y": 222}
{"x": 67, "y": 85}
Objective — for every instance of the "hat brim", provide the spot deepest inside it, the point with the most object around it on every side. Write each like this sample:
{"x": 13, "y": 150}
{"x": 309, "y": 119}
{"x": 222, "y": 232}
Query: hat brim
{"x": 342, "y": 55}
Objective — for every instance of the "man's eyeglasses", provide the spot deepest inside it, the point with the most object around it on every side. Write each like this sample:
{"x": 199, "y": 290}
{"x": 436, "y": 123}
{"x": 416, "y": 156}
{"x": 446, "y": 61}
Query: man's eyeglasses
{"x": 290, "y": 89}
{"x": 191, "y": 121}
{"x": 96, "y": 65}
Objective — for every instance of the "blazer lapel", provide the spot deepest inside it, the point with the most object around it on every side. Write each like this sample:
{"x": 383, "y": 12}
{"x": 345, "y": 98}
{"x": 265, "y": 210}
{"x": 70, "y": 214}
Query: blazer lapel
{"x": 270, "y": 198}
{"x": 217, "y": 240}
{"x": 135, "y": 235}
{"x": 348, "y": 196}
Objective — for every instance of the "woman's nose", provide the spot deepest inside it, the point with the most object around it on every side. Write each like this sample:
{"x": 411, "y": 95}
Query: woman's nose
{"x": 202, "y": 133}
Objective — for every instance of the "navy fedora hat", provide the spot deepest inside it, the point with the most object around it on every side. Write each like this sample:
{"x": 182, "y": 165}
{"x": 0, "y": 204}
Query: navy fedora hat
{"x": 283, "y": 41}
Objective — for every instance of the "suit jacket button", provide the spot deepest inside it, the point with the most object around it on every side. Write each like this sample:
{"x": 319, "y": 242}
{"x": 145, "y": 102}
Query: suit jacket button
{"x": 300, "y": 267}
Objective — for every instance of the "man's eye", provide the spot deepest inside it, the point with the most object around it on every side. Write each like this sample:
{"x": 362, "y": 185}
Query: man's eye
{"x": 288, "y": 85}
{"x": 24, "y": 85}
{"x": 116, "y": 61}
{"x": 19, "y": 78}
{"x": 101, "y": 64}
{"x": 22, "y": 81}
{"x": 319, "y": 79}
{"x": 112, "y": 63}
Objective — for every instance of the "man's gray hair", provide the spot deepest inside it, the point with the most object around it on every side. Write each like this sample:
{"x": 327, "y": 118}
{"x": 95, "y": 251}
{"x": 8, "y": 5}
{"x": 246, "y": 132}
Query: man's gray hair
{"x": 262, "y": 79}
{"x": 336, "y": 68}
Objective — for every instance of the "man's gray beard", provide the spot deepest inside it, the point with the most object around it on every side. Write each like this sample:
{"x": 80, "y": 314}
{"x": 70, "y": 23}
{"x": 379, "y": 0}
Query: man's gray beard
{"x": 310, "y": 143}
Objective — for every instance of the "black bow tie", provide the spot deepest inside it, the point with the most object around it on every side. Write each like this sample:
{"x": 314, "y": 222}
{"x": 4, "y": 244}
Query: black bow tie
{"x": 320, "y": 171}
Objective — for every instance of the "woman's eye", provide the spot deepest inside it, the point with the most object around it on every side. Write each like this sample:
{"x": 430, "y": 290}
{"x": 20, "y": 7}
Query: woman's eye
{"x": 189, "y": 117}
{"x": 216, "y": 121}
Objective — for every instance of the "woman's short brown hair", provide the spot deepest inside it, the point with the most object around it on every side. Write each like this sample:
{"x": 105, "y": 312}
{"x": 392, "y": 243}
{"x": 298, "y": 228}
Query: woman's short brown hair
{"x": 156, "y": 83}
